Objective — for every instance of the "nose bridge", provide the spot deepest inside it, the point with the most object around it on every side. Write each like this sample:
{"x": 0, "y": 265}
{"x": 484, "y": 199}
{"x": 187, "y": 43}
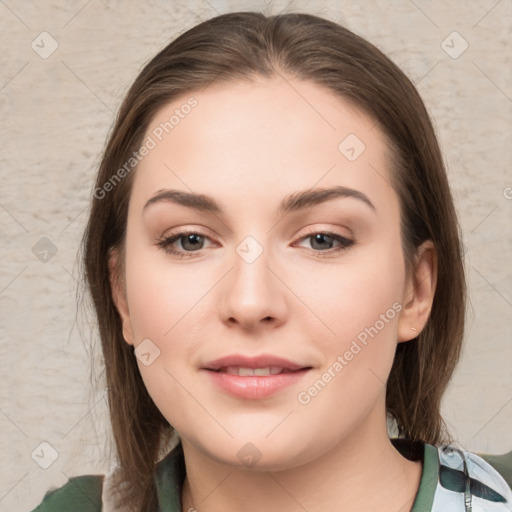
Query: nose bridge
{"x": 252, "y": 292}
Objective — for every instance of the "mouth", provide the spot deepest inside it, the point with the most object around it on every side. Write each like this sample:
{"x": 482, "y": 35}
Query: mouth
{"x": 254, "y": 378}
{"x": 261, "y": 372}
{"x": 264, "y": 364}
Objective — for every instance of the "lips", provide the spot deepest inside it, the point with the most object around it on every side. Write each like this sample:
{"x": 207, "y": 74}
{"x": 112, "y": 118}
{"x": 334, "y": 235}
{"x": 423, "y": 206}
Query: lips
{"x": 254, "y": 377}
{"x": 257, "y": 362}
{"x": 246, "y": 372}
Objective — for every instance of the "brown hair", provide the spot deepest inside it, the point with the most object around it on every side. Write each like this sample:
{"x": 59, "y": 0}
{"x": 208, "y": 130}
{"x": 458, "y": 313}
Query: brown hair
{"x": 241, "y": 46}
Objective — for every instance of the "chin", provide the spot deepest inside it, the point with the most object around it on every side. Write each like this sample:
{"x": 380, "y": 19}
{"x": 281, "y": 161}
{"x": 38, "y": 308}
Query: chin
{"x": 258, "y": 453}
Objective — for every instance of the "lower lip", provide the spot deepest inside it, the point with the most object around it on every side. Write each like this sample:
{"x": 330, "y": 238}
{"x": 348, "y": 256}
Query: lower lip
{"x": 255, "y": 387}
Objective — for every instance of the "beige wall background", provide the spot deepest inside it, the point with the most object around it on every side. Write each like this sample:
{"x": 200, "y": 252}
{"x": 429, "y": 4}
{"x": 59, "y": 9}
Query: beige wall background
{"x": 65, "y": 66}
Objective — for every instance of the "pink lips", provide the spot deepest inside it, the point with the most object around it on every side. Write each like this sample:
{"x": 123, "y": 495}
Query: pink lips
{"x": 254, "y": 378}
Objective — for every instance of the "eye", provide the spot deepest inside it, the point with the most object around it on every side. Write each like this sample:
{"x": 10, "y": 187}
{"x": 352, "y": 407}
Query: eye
{"x": 324, "y": 242}
{"x": 190, "y": 241}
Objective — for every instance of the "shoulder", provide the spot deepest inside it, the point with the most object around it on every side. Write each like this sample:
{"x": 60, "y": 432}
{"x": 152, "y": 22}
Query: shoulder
{"x": 80, "y": 494}
{"x": 467, "y": 478}
{"x": 502, "y": 464}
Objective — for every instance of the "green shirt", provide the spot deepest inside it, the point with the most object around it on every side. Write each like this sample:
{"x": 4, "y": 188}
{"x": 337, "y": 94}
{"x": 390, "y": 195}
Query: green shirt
{"x": 442, "y": 485}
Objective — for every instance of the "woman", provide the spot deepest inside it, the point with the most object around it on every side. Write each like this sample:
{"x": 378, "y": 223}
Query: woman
{"x": 275, "y": 263}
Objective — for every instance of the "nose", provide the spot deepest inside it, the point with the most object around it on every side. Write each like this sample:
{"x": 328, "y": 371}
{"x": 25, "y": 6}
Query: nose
{"x": 253, "y": 294}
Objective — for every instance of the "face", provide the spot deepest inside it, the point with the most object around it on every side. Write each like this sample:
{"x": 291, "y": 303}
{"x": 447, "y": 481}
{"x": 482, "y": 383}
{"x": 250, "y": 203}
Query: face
{"x": 261, "y": 315}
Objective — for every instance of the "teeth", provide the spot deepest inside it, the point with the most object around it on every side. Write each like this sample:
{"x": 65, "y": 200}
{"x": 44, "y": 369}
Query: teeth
{"x": 248, "y": 372}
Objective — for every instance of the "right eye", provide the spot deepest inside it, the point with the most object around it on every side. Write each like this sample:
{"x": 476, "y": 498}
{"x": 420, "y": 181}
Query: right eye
{"x": 190, "y": 241}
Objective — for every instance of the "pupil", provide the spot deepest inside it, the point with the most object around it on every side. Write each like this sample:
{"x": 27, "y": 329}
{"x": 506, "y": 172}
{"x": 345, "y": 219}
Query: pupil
{"x": 319, "y": 238}
{"x": 193, "y": 240}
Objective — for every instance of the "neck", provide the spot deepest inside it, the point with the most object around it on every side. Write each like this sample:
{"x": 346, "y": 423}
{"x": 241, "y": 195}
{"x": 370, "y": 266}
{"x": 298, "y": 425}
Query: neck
{"x": 360, "y": 473}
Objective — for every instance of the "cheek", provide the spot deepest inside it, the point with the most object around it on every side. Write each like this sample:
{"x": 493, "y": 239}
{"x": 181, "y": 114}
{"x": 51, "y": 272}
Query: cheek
{"x": 359, "y": 353}
{"x": 352, "y": 297}
{"x": 361, "y": 309}
{"x": 160, "y": 295}
{"x": 163, "y": 303}
{"x": 166, "y": 305}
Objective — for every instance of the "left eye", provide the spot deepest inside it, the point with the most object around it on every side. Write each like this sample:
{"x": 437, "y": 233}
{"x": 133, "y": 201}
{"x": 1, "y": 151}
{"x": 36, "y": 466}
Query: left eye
{"x": 320, "y": 239}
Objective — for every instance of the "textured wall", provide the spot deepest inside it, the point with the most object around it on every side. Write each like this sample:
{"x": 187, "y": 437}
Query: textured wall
{"x": 56, "y": 110}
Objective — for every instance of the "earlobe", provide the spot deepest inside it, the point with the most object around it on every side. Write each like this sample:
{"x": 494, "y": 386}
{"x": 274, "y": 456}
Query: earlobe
{"x": 419, "y": 293}
{"x": 119, "y": 294}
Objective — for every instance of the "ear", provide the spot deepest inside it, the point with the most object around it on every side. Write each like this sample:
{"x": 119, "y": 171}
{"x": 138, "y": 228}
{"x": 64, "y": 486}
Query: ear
{"x": 419, "y": 293}
{"x": 118, "y": 289}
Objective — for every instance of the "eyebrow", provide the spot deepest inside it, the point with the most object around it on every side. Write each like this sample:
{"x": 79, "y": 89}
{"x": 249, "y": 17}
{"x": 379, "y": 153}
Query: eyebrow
{"x": 294, "y": 202}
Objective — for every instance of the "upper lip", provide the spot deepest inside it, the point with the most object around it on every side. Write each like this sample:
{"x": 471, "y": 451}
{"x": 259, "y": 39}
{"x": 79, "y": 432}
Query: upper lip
{"x": 261, "y": 361}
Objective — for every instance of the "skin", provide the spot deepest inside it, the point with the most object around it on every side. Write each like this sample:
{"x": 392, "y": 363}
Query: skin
{"x": 248, "y": 145}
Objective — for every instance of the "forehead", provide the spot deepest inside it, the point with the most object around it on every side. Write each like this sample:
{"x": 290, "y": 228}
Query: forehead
{"x": 266, "y": 137}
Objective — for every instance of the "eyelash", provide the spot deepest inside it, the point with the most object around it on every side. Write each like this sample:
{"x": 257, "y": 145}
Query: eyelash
{"x": 166, "y": 243}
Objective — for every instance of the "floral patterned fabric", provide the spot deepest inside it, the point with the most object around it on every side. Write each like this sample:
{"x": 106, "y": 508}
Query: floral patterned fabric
{"x": 467, "y": 483}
